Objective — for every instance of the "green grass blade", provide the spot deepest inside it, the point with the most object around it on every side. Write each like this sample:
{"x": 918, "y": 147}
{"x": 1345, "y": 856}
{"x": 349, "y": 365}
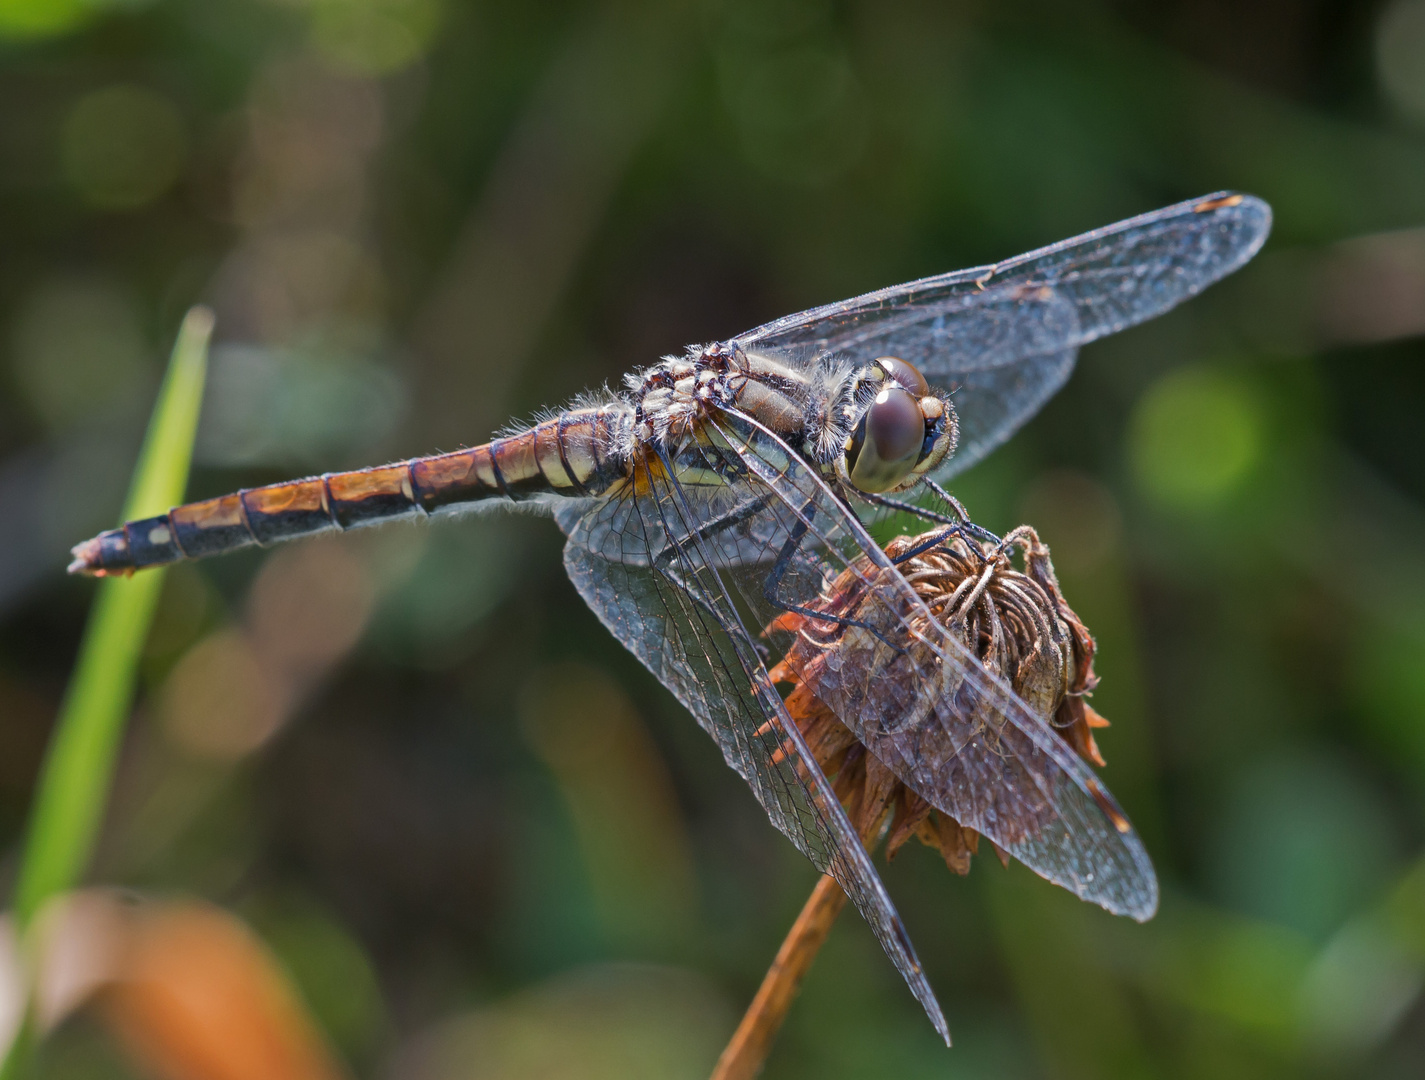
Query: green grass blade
{"x": 75, "y": 780}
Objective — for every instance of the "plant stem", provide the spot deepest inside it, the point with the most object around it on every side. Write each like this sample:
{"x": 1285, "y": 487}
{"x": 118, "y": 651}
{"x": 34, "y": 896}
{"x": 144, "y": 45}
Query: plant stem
{"x": 747, "y": 1050}
{"x": 745, "y": 1053}
{"x": 78, "y": 769}
{"x": 74, "y": 782}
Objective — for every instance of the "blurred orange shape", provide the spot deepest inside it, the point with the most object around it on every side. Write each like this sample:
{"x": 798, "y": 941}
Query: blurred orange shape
{"x": 198, "y": 997}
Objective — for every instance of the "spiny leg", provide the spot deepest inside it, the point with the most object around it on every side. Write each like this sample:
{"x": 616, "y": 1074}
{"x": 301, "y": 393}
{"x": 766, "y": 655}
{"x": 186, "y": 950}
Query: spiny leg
{"x": 743, "y": 511}
{"x": 959, "y": 526}
{"x": 964, "y": 516}
{"x": 779, "y": 570}
{"x": 676, "y": 550}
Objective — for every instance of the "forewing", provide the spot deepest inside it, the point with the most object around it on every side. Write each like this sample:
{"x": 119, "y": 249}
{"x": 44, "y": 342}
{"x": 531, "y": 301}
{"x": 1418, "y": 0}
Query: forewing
{"x": 654, "y": 574}
{"x": 1045, "y": 303}
{"x": 992, "y": 403}
{"x": 928, "y": 709}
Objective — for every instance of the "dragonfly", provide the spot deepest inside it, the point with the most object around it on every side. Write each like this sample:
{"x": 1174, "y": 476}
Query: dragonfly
{"x": 724, "y": 488}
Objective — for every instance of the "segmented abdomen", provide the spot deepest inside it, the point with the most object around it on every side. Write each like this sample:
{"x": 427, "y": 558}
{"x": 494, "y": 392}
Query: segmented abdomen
{"x": 570, "y": 454}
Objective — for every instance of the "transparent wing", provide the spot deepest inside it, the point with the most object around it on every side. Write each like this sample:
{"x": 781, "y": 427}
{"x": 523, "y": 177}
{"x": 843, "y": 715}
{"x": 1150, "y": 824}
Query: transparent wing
{"x": 654, "y": 572}
{"x": 1044, "y": 304}
{"x": 992, "y": 403}
{"x": 923, "y": 704}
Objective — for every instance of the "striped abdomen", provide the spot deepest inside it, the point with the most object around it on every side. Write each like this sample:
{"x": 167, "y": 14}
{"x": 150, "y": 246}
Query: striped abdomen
{"x": 567, "y": 455}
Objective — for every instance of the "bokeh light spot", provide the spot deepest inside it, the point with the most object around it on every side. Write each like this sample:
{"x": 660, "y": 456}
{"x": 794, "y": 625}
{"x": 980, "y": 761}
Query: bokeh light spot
{"x": 463, "y": 569}
{"x": 1400, "y": 55}
{"x": 300, "y": 406}
{"x": 308, "y": 607}
{"x": 220, "y": 703}
{"x": 618, "y": 791}
{"x": 122, "y": 147}
{"x": 30, "y": 19}
{"x": 329, "y": 966}
{"x": 1361, "y": 985}
{"x": 772, "y": 21}
{"x": 1077, "y": 516}
{"x": 1387, "y": 677}
{"x": 200, "y": 996}
{"x": 373, "y": 37}
{"x": 800, "y": 110}
{"x": 1301, "y": 841}
{"x": 77, "y": 349}
{"x": 612, "y": 1022}
{"x": 1195, "y": 437}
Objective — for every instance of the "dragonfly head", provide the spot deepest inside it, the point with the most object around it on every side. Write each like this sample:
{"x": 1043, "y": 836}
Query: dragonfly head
{"x": 902, "y": 434}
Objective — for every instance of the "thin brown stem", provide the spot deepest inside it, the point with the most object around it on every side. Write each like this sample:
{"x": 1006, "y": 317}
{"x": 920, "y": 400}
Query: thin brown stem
{"x": 746, "y": 1052}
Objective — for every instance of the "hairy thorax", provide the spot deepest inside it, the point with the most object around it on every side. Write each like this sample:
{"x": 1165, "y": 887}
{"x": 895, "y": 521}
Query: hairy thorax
{"x": 677, "y": 398}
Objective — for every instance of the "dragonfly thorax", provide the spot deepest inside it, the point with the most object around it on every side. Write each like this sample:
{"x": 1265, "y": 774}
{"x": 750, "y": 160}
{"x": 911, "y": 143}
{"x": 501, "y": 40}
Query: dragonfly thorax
{"x": 804, "y": 403}
{"x": 878, "y": 427}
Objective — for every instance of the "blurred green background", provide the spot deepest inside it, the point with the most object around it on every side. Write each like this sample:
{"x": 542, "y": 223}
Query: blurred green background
{"x": 481, "y": 838}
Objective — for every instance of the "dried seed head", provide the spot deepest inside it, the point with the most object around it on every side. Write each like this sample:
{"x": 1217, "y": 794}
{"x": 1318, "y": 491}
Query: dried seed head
{"x": 1015, "y": 620}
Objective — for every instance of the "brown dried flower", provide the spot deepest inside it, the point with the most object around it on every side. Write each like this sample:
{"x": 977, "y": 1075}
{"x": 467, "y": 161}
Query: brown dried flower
{"x": 1014, "y": 620}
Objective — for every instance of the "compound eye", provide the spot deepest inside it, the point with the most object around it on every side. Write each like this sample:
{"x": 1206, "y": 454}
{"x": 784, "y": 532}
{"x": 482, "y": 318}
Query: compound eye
{"x": 889, "y": 443}
{"x": 904, "y": 374}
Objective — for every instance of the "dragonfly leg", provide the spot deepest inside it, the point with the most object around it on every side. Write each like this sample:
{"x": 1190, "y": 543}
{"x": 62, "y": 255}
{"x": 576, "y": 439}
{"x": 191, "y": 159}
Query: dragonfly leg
{"x": 779, "y": 570}
{"x": 959, "y": 526}
{"x": 736, "y": 516}
{"x": 955, "y": 528}
{"x": 962, "y": 514}
{"x": 664, "y": 561}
